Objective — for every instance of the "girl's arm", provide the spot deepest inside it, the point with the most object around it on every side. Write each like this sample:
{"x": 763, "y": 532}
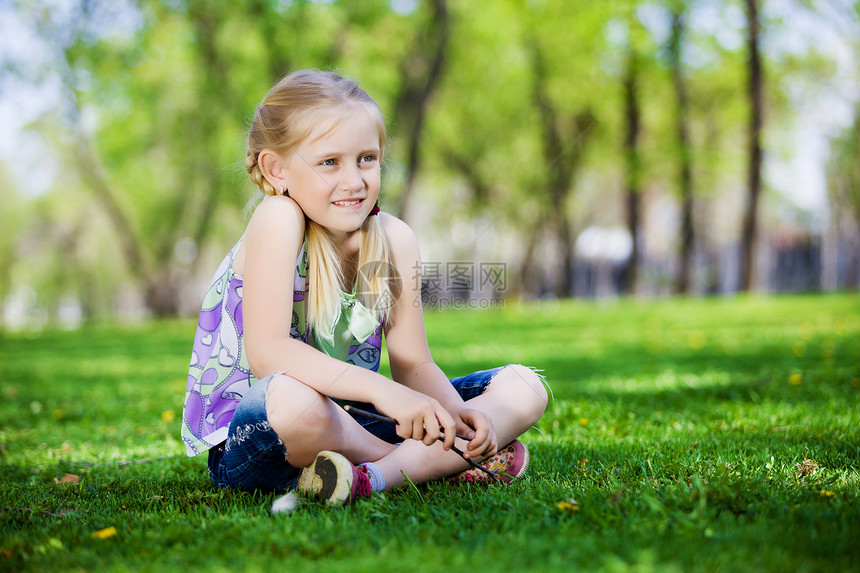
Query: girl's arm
{"x": 408, "y": 351}
{"x": 267, "y": 261}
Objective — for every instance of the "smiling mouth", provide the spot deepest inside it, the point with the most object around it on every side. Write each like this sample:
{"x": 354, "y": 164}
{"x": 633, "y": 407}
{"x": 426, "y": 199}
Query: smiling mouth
{"x": 349, "y": 203}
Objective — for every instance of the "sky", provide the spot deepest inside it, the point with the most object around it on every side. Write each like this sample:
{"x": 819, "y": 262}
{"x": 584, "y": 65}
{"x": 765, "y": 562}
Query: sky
{"x": 801, "y": 177}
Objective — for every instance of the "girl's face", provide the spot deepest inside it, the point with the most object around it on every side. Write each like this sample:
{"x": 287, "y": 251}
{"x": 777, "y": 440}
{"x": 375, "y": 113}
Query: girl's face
{"x": 334, "y": 174}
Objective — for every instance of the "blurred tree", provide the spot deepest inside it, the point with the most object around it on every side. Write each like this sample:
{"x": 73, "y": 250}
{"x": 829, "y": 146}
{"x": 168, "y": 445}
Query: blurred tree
{"x": 420, "y": 71}
{"x": 564, "y": 137}
{"x": 13, "y": 218}
{"x": 632, "y": 147}
{"x": 148, "y": 117}
{"x": 755, "y": 88}
{"x": 707, "y": 72}
{"x": 516, "y": 119}
{"x": 685, "y": 150}
{"x": 507, "y": 115}
{"x": 844, "y": 189}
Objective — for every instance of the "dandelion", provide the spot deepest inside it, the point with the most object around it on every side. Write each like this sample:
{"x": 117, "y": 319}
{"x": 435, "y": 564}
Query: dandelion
{"x": 826, "y": 493}
{"x": 568, "y": 505}
{"x": 105, "y": 533}
{"x": 795, "y": 379}
{"x": 582, "y": 463}
{"x": 583, "y": 422}
{"x": 799, "y": 349}
{"x": 168, "y": 415}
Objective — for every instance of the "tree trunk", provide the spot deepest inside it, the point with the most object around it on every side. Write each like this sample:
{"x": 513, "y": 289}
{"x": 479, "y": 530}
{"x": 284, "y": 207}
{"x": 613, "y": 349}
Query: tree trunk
{"x": 632, "y": 157}
{"x": 564, "y": 139}
{"x": 565, "y": 235}
{"x": 750, "y": 222}
{"x": 93, "y": 173}
{"x": 685, "y": 171}
{"x": 421, "y": 74}
{"x": 526, "y": 273}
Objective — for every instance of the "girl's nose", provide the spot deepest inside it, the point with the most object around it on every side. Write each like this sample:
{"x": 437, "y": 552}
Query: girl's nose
{"x": 352, "y": 179}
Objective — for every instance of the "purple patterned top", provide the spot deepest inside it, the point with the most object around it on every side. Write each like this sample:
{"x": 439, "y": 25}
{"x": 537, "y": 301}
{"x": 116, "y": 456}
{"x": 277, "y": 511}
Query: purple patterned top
{"x": 219, "y": 374}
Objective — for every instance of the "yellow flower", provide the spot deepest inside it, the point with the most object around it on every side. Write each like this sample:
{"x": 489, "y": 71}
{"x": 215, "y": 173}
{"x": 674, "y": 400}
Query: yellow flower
{"x": 583, "y": 422}
{"x": 104, "y": 533}
{"x": 795, "y": 379}
{"x": 168, "y": 415}
{"x": 825, "y": 493}
{"x": 569, "y": 505}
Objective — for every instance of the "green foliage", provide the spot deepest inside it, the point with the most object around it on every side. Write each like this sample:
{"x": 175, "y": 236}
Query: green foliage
{"x": 694, "y": 435}
{"x": 155, "y": 95}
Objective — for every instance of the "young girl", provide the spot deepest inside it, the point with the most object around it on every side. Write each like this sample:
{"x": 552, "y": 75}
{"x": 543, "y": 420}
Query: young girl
{"x": 292, "y": 325}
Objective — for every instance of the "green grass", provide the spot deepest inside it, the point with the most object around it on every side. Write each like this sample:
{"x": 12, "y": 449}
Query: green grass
{"x": 678, "y": 427}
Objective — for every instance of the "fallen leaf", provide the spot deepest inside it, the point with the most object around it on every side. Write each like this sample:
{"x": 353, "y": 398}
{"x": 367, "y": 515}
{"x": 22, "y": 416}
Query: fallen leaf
{"x": 68, "y": 478}
{"x": 807, "y": 468}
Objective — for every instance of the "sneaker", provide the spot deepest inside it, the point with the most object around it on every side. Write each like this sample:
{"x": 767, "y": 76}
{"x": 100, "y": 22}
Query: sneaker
{"x": 513, "y": 460}
{"x": 333, "y": 478}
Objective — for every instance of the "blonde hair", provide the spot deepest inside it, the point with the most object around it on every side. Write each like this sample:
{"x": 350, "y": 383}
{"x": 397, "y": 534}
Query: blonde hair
{"x": 287, "y": 116}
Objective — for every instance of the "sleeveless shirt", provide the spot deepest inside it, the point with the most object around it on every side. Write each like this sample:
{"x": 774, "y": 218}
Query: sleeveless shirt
{"x": 219, "y": 374}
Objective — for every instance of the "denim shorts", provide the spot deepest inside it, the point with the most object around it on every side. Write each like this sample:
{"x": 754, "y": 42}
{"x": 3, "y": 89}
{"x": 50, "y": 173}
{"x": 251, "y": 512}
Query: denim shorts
{"x": 254, "y": 458}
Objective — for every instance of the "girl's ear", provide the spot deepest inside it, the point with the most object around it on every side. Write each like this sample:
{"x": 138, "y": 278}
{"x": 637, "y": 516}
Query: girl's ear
{"x": 271, "y": 165}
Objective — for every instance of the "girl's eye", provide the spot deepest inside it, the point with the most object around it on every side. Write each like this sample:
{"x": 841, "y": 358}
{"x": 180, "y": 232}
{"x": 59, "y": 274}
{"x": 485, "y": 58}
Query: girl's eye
{"x": 368, "y": 158}
{"x": 328, "y": 162}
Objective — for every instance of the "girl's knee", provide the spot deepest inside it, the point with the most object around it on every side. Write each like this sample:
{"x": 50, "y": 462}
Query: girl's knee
{"x": 295, "y": 409}
{"x": 527, "y": 387}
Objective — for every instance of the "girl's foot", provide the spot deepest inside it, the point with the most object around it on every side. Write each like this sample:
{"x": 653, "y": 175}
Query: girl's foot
{"x": 512, "y": 460}
{"x": 333, "y": 478}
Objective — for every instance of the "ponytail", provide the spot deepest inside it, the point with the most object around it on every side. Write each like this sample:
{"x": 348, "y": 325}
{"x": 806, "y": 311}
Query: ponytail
{"x": 377, "y": 285}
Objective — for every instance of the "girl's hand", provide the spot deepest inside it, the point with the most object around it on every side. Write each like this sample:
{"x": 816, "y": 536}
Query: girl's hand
{"x": 419, "y": 417}
{"x": 478, "y": 427}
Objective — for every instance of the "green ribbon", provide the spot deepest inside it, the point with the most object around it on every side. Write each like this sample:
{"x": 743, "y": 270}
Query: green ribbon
{"x": 354, "y": 322}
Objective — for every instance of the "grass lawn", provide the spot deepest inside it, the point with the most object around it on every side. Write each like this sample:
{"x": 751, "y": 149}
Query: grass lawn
{"x": 690, "y": 435}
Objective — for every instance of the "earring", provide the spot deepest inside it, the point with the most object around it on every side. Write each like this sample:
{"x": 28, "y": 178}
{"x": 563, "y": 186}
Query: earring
{"x": 284, "y": 191}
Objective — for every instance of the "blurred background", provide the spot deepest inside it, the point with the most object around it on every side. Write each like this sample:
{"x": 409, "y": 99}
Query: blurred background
{"x": 587, "y": 148}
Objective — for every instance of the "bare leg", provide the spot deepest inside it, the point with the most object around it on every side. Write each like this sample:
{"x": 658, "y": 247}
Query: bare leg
{"x": 514, "y": 400}
{"x": 308, "y": 422}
